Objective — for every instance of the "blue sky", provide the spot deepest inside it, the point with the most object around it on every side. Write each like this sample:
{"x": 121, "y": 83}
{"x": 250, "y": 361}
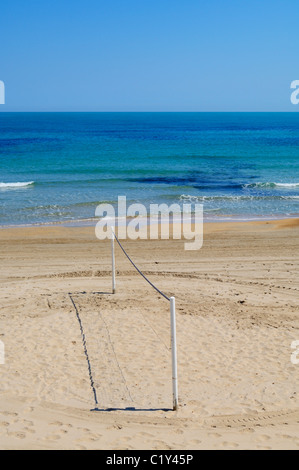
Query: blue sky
{"x": 149, "y": 55}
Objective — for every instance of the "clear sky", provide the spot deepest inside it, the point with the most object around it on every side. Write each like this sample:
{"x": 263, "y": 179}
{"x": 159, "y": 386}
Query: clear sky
{"x": 149, "y": 55}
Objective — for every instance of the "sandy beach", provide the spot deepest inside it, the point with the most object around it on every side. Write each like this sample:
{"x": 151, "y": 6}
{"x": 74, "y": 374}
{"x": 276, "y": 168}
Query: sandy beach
{"x": 85, "y": 369}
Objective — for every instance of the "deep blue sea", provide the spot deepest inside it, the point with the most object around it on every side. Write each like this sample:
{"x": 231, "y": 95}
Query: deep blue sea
{"x": 57, "y": 167}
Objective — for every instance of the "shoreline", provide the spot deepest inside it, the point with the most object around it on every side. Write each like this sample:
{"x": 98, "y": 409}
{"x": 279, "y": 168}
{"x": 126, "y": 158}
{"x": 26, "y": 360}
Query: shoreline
{"x": 120, "y": 221}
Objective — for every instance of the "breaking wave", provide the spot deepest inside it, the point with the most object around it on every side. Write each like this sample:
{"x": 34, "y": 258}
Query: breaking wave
{"x": 16, "y": 185}
{"x": 271, "y": 185}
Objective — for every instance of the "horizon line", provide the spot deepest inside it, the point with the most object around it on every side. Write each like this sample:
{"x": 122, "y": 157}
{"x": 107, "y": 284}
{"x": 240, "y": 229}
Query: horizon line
{"x": 86, "y": 111}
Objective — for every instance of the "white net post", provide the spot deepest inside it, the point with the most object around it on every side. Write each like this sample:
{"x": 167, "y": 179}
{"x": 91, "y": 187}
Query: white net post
{"x": 113, "y": 261}
{"x": 174, "y": 354}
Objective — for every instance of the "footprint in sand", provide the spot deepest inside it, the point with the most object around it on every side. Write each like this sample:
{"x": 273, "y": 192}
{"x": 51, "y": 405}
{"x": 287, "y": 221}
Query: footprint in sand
{"x": 28, "y": 423}
{"x": 29, "y": 409}
{"x": 8, "y": 413}
{"x": 56, "y": 423}
{"x": 17, "y": 435}
{"x": 286, "y": 436}
{"x": 195, "y": 442}
{"x": 125, "y": 439}
{"x": 93, "y": 437}
{"x": 231, "y": 445}
{"x": 52, "y": 438}
{"x": 161, "y": 445}
{"x": 145, "y": 434}
{"x": 31, "y": 431}
{"x": 4, "y": 424}
{"x": 247, "y": 430}
{"x": 263, "y": 438}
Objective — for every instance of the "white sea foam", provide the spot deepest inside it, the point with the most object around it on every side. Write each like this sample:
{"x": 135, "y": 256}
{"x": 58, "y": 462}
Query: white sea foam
{"x": 194, "y": 199}
{"x": 287, "y": 185}
{"x": 271, "y": 185}
{"x": 16, "y": 185}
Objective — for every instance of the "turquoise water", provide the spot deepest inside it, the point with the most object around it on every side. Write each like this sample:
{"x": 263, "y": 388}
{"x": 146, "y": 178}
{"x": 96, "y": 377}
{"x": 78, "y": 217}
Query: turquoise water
{"x": 57, "y": 167}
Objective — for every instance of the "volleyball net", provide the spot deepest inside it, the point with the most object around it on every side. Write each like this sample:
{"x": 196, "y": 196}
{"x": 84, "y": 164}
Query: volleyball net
{"x": 171, "y": 301}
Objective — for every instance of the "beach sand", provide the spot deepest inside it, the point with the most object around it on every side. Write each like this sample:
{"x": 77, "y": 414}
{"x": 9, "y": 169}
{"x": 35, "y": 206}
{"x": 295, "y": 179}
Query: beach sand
{"x": 74, "y": 350}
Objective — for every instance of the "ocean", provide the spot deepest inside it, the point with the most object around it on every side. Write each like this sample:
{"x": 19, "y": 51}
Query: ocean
{"x": 57, "y": 167}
